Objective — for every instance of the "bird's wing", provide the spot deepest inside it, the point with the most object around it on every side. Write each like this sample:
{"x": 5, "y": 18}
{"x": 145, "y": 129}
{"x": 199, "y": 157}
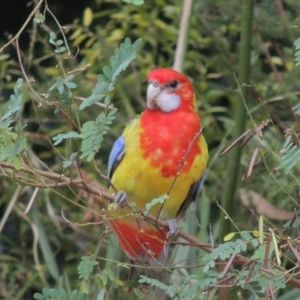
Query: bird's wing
{"x": 191, "y": 196}
{"x": 118, "y": 150}
{"x": 116, "y": 155}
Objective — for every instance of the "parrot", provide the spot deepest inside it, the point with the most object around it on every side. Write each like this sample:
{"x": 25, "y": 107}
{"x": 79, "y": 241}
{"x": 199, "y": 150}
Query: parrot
{"x": 161, "y": 155}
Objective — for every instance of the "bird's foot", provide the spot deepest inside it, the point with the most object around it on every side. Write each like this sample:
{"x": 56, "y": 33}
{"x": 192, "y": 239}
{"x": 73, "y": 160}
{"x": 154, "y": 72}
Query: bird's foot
{"x": 120, "y": 197}
{"x": 173, "y": 227}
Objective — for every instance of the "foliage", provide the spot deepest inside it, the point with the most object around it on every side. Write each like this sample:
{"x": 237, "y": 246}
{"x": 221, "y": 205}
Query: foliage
{"x": 53, "y": 294}
{"x": 297, "y": 54}
{"x": 12, "y": 141}
{"x": 86, "y": 267}
{"x": 119, "y": 62}
{"x": 290, "y": 155}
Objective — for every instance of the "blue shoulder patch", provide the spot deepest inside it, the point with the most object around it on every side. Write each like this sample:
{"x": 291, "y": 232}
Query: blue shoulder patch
{"x": 116, "y": 154}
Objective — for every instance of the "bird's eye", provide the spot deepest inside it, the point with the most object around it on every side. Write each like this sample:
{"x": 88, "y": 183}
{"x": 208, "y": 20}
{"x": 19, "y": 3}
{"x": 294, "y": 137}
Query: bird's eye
{"x": 173, "y": 84}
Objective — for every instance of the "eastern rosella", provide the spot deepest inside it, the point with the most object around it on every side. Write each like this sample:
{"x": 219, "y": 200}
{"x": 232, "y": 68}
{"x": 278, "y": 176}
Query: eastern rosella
{"x": 164, "y": 143}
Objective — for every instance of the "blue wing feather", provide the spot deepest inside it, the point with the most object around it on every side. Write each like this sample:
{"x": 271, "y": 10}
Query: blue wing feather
{"x": 116, "y": 155}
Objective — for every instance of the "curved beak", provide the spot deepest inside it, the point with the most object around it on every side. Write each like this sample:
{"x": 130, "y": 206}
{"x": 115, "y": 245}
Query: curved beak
{"x": 152, "y": 92}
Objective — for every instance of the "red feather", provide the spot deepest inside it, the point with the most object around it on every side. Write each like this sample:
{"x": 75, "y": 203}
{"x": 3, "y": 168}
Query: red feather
{"x": 166, "y": 137}
{"x": 135, "y": 242}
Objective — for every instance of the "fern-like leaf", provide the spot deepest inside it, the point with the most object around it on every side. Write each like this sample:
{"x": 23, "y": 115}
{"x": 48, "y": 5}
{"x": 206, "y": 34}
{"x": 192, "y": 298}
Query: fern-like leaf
{"x": 290, "y": 155}
{"x": 169, "y": 289}
{"x": 12, "y": 141}
{"x": 122, "y": 58}
{"x": 297, "y": 54}
{"x": 119, "y": 62}
{"x": 224, "y": 251}
{"x": 61, "y": 136}
{"x": 296, "y": 108}
{"x": 86, "y": 266}
{"x": 93, "y": 132}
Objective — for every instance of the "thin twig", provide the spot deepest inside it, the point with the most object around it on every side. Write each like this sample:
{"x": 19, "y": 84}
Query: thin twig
{"x": 10, "y": 206}
{"x": 228, "y": 265}
{"x": 252, "y": 163}
{"x": 97, "y": 103}
{"x": 31, "y": 201}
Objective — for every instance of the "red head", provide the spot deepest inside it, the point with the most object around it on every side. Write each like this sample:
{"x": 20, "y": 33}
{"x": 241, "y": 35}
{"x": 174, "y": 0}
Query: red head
{"x": 169, "y": 90}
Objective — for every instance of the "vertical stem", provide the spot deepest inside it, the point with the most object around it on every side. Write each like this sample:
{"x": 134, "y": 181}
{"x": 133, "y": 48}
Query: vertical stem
{"x": 182, "y": 35}
{"x": 233, "y": 169}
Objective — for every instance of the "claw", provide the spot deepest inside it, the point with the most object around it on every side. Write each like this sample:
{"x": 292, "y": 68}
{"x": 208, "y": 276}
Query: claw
{"x": 173, "y": 227}
{"x": 120, "y": 197}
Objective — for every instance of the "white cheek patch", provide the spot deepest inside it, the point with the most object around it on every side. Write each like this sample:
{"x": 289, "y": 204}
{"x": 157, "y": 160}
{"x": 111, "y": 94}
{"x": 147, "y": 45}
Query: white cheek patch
{"x": 167, "y": 102}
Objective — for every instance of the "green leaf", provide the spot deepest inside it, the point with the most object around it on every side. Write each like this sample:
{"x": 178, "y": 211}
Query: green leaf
{"x": 123, "y": 56}
{"x": 62, "y": 49}
{"x": 62, "y": 294}
{"x": 53, "y": 293}
{"x": 223, "y": 252}
{"x": 59, "y": 42}
{"x": 156, "y": 201}
{"x": 153, "y": 282}
{"x": 246, "y": 235}
{"x": 255, "y": 242}
{"x": 296, "y": 108}
{"x": 98, "y": 93}
{"x": 52, "y": 35}
{"x": 107, "y": 72}
{"x": 86, "y": 266}
{"x": 136, "y": 2}
{"x": 72, "y": 160}
{"x": 111, "y": 275}
{"x": 17, "y": 163}
{"x": 71, "y": 85}
{"x": 297, "y": 42}
{"x": 45, "y": 292}
{"x": 93, "y": 132}
{"x": 39, "y": 18}
{"x": 73, "y": 295}
{"x": 62, "y": 136}
{"x": 84, "y": 287}
{"x": 260, "y": 252}
{"x": 139, "y": 293}
{"x": 99, "y": 280}
{"x": 80, "y": 296}
{"x": 290, "y": 157}
{"x": 107, "y": 100}
{"x": 38, "y": 296}
{"x": 69, "y": 78}
{"x": 59, "y": 85}
{"x": 52, "y": 38}
{"x": 12, "y": 140}
{"x": 119, "y": 62}
{"x": 104, "y": 278}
